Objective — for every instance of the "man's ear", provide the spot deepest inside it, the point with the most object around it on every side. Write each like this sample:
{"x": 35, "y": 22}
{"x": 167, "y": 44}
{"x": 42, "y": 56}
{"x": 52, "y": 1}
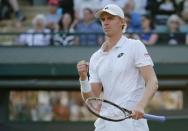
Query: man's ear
{"x": 124, "y": 25}
{"x": 124, "y": 22}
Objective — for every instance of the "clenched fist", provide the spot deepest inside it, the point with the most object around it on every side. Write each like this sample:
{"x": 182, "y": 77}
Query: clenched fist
{"x": 82, "y": 68}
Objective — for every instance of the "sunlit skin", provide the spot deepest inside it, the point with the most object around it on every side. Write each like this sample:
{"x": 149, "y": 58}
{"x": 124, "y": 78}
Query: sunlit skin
{"x": 113, "y": 29}
{"x": 112, "y": 25}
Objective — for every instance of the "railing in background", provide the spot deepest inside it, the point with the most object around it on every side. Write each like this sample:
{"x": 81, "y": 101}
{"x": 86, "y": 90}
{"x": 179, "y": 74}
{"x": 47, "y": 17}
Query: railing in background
{"x": 80, "y": 38}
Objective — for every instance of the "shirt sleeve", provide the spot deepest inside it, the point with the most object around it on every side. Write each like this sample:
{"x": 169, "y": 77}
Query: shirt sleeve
{"x": 142, "y": 57}
{"x": 93, "y": 76}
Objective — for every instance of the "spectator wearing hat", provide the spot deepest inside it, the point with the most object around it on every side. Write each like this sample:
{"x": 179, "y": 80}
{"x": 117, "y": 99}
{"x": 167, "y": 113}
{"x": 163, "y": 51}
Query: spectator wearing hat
{"x": 52, "y": 17}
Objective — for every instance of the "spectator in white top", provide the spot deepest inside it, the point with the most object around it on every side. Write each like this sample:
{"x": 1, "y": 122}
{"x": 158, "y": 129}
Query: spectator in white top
{"x": 38, "y": 35}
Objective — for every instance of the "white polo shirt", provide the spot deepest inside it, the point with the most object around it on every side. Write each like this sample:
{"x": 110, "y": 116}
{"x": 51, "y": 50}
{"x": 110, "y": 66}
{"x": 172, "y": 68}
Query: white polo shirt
{"x": 118, "y": 71}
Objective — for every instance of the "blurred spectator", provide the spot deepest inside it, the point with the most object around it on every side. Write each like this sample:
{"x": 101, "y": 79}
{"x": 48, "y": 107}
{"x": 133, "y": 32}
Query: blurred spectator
{"x": 88, "y": 25}
{"x": 78, "y": 109}
{"x": 120, "y": 3}
{"x": 151, "y": 7}
{"x": 15, "y": 6}
{"x": 67, "y": 6}
{"x": 140, "y": 6}
{"x": 7, "y": 6}
{"x": 60, "y": 106}
{"x": 173, "y": 36}
{"x": 171, "y": 100}
{"x": 184, "y": 16}
{"x": 129, "y": 29}
{"x": 52, "y": 16}
{"x": 148, "y": 36}
{"x": 5, "y": 10}
{"x": 18, "y": 106}
{"x": 135, "y": 18}
{"x": 183, "y": 9}
{"x": 165, "y": 9}
{"x": 62, "y": 36}
{"x": 80, "y": 5}
{"x": 38, "y": 35}
{"x": 44, "y": 109}
{"x": 183, "y": 6}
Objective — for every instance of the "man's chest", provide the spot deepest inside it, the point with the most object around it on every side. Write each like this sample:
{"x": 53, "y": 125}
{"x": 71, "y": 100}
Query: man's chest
{"x": 114, "y": 63}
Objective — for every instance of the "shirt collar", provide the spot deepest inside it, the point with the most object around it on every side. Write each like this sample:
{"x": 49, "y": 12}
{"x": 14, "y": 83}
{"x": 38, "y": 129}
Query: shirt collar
{"x": 121, "y": 42}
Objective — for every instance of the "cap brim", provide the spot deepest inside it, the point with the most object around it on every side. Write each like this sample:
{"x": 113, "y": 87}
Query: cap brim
{"x": 98, "y": 14}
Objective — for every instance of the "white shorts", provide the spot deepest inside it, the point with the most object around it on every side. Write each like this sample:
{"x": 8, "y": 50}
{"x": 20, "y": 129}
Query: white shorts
{"x": 126, "y": 125}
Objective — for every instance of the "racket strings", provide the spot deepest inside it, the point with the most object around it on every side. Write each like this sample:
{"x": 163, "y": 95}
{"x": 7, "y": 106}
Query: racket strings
{"x": 106, "y": 110}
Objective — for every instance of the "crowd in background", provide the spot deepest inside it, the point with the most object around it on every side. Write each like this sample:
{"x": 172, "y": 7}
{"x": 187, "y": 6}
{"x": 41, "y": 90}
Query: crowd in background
{"x": 47, "y": 106}
{"x": 62, "y": 105}
{"x": 73, "y": 22}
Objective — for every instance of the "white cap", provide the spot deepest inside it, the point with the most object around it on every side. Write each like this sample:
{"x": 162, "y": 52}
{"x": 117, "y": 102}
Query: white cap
{"x": 111, "y": 9}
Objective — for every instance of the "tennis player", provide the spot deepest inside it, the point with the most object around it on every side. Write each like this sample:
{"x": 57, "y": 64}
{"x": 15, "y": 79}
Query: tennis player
{"x": 123, "y": 69}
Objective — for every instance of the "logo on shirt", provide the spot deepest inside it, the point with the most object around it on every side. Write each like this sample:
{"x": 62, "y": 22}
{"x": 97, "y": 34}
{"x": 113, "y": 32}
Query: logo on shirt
{"x": 106, "y": 8}
{"x": 120, "y": 55}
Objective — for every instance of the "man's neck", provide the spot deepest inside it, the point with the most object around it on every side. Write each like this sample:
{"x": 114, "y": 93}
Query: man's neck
{"x": 111, "y": 41}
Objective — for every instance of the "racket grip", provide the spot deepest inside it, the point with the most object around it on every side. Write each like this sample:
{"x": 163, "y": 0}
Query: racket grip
{"x": 154, "y": 117}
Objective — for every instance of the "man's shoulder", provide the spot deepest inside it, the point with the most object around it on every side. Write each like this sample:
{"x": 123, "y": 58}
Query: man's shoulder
{"x": 133, "y": 42}
{"x": 130, "y": 40}
{"x": 95, "y": 55}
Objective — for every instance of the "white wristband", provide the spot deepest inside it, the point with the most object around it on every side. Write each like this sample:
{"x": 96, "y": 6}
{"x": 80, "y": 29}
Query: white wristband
{"x": 85, "y": 86}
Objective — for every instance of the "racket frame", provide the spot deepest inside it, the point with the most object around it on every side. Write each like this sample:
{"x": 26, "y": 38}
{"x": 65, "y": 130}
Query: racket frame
{"x": 106, "y": 101}
{"x": 146, "y": 116}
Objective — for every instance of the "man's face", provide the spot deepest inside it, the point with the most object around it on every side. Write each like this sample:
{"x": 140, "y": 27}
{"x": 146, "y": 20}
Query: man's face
{"x": 111, "y": 24}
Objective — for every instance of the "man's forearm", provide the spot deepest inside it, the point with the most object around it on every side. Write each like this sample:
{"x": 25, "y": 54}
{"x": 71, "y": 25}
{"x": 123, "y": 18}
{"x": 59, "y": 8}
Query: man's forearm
{"x": 86, "y": 90}
{"x": 86, "y": 95}
{"x": 151, "y": 88}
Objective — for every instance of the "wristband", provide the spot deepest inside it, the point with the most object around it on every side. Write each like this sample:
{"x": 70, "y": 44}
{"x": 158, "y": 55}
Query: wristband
{"x": 85, "y": 86}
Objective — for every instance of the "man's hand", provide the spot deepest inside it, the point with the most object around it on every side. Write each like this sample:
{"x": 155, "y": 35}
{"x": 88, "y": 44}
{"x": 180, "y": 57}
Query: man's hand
{"x": 137, "y": 112}
{"x": 82, "y": 68}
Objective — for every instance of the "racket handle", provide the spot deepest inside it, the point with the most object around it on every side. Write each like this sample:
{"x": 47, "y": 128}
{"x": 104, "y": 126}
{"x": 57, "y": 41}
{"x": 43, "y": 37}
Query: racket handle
{"x": 154, "y": 117}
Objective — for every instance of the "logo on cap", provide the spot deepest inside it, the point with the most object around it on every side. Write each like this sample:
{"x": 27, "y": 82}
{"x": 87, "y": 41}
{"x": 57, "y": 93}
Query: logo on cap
{"x": 106, "y": 8}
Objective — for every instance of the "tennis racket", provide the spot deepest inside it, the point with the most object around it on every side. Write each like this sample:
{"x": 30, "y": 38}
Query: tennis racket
{"x": 110, "y": 111}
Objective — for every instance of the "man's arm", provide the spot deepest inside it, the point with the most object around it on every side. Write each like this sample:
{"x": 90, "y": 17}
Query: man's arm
{"x": 87, "y": 89}
{"x": 96, "y": 89}
{"x": 151, "y": 82}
